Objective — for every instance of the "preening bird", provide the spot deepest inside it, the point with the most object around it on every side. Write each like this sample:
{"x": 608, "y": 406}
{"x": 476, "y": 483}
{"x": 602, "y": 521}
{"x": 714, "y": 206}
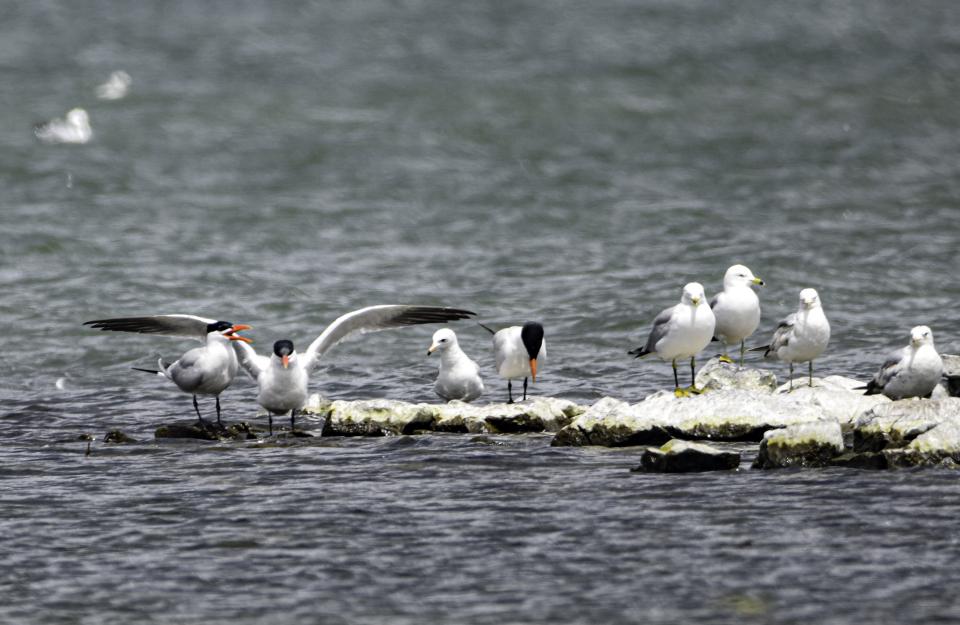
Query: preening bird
{"x": 283, "y": 377}
{"x": 912, "y": 371}
{"x": 206, "y": 370}
{"x": 801, "y": 336}
{"x": 516, "y": 352}
{"x": 680, "y": 332}
{"x": 736, "y": 308}
{"x": 459, "y": 377}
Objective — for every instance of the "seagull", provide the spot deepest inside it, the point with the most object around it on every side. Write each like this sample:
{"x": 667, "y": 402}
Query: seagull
{"x": 913, "y": 371}
{"x": 680, "y": 332}
{"x": 801, "y": 336}
{"x": 282, "y": 378}
{"x": 206, "y": 370}
{"x": 459, "y": 377}
{"x": 74, "y": 129}
{"x": 516, "y": 351}
{"x": 116, "y": 86}
{"x": 737, "y": 308}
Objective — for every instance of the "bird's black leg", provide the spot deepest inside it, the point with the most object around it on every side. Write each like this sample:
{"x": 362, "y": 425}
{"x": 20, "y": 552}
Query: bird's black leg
{"x": 509, "y": 392}
{"x": 293, "y": 417}
{"x": 524, "y": 389}
{"x": 693, "y": 373}
{"x": 196, "y": 407}
{"x": 791, "y": 376}
{"x": 743, "y": 348}
{"x": 270, "y": 421}
{"x": 676, "y": 380}
{"x": 218, "y": 410}
{"x": 811, "y": 373}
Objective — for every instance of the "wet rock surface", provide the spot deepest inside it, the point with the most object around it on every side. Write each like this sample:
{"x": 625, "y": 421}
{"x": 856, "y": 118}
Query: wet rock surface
{"x": 895, "y": 424}
{"x": 116, "y": 436}
{"x": 206, "y": 430}
{"x": 677, "y": 456}
{"x": 805, "y": 445}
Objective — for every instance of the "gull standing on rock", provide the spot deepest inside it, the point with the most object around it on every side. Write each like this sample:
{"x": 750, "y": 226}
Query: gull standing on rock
{"x": 459, "y": 377}
{"x": 74, "y": 129}
{"x": 680, "y": 332}
{"x": 802, "y": 336}
{"x": 913, "y": 371}
{"x": 516, "y": 352}
{"x": 282, "y": 378}
{"x": 737, "y": 308}
{"x": 206, "y": 370}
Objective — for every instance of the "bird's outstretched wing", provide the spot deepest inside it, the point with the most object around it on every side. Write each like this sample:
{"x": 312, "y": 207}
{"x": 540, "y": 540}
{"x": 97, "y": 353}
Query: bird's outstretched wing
{"x": 251, "y": 362}
{"x": 659, "y": 330}
{"x": 172, "y": 325}
{"x": 375, "y": 318}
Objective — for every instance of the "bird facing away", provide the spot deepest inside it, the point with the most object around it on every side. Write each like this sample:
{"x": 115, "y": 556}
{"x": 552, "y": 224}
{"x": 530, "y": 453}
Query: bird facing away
{"x": 206, "y": 370}
{"x": 282, "y": 378}
{"x": 913, "y": 371}
{"x": 75, "y": 128}
{"x": 801, "y": 336}
{"x": 516, "y": 352}
{"x": 680, "y": 332}
{"x": 737, "y": 309}
{"x": 459, "y": 377}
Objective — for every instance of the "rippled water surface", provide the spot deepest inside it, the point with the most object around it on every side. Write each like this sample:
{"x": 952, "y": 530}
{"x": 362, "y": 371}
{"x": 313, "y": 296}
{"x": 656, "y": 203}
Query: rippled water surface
{"x": 574, "y": 163}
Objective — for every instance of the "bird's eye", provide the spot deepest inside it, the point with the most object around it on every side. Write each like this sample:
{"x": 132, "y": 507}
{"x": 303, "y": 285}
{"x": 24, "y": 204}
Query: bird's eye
{"x": 443, "y": 340}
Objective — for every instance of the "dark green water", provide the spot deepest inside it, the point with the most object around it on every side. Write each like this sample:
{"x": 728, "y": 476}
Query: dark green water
{"x": 574, "y": 163}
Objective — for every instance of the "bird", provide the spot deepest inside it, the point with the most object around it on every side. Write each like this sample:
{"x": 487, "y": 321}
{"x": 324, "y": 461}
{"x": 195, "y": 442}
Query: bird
{"x": 75, "y": 128}
{"x": 680, "y": 332}
{"x": 912, "y": 371}
{"x": 459, "y": 377}
{"x": 283, "y": 377}
{"x": 116, "y": 86}
{"x": 516, "y": 352}
{"x": 737, "y": 309}
{"x": 206, "y": 370}
{"x": 801, "y": 336}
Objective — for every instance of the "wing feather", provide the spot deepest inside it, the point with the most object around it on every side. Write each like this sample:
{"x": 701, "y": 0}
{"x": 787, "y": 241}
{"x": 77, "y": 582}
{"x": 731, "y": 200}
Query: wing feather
{"x": 171, "y": 325}
{"x": 251, "y": 362}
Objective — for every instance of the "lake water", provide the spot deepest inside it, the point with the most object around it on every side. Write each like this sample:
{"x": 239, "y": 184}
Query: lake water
{"x": 573, "y": 163}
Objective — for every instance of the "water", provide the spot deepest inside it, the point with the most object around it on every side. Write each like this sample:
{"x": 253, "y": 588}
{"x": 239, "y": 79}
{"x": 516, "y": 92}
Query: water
{"x": 567, "y": 162}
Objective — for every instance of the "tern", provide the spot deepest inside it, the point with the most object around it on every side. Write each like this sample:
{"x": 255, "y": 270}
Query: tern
{"x": 282, "y": 377}
{"x": 736, "y": 308}
{"x": 801, "y": 336}
{"x": 913, "y": 371}
{"x": 459, "y": 377}
{"x": 516, "y": 352}
{"x": 680, "y": 332}
{"x": 206, "y": 370}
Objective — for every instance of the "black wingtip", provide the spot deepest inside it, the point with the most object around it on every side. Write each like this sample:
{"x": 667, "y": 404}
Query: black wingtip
{"x": 638, "y": 353}
{"x": 153, "y": 371}
{"x": 762, "y": 348}
{"x": 487, "y": 328}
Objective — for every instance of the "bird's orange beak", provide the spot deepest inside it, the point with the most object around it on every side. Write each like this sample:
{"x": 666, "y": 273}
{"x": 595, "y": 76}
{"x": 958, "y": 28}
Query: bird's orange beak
{"x": 285, "y": 360}
{"x": 233, "y": 336}
{"x": 533, "y": 369}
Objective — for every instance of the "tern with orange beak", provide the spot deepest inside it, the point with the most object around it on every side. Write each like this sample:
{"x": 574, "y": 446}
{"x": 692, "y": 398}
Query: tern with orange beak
{"x": 283, "y": 377}
{"x": 516, "y": 352}
{"x": 206, "y": 370}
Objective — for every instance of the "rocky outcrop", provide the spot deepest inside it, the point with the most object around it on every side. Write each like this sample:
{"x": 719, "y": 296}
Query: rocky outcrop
{"x": 611, "y": 423}
{"x": 938, "y": 446}
{"x": 804, "y": 445}
{"x": 951, "y": 374}
{"x": 896, "y": 424}
{"x": 719, "y": 376}
{"x": 205, "y": 430}
{"x": 836, "y": 398}
{"x": 678, "y": 456}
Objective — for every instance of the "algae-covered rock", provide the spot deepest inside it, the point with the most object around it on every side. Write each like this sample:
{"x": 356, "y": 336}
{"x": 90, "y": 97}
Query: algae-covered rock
{"x": 205, "y": 430}
{"x": 895, "y": 424}
{"x": 866, "y": 460}
{"x": 678, "y": 456}
{"x": 718, "y": 376}
{"x": 939, "y": 446}
{"x": 804, "y": 445}
{"x": 116, "y": 436}
{"x": 610, "y": 423}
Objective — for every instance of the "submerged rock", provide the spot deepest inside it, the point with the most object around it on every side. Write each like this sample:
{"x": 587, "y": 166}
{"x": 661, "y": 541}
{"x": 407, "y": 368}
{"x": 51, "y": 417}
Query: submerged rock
{"x": 678, "y": 456}
{"x": 804, "y": 445}
{"x": 205, "y": 430}
{"x": 939, "y": 446}
{"x": 895, "y": 424}
{"x": 116, "y": 436}
{"x": 719, "y": 376}
{"x": 865, "y": 460}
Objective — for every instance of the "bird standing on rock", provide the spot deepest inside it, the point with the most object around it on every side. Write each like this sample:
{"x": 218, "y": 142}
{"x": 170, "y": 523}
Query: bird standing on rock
{"x": 516, "y": 352}
{"x": 913, "y": 371}
{"x": 801, "y": 336}
{"x": 680, "y": 332}
{"x": 206, "y": 370}
{"x": 282, "y": 378}
{"x": 459, "y": 377}
{"x": 737, "y": 309}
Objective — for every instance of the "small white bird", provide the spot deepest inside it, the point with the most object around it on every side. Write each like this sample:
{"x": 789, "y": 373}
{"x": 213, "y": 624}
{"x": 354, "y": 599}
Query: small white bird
{"x": 283, "y": 377}
{"x": 737, "y": 308}
{"x": 801, "y": 336}
{"x": 116, "y": 86}
{"x": 459, "y": 377}
{"x": 206, "y": 370}
{"x": 74, "y": 129}
{"x": 680, "y": 332}
{"x": 516, "y": 352}
{"x": 913, "y": 371}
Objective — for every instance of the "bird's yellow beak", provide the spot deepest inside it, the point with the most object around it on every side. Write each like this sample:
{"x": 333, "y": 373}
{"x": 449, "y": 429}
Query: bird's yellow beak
{"x": 432, "y": 349}
{"x": 758, "y": 281}
{"x": 533, "y": 369}
{"x": 696, "y": 301}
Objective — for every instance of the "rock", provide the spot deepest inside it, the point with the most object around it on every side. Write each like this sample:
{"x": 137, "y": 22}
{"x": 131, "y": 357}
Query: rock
{"x": 678, "y": 456}
{"x": 951, "y": 373}
{"x": 804, "y": 445}
{"x": 895, "y": 424}
{"x": 939, "y": 446}
{"x": 116, "y": 436}
{"x": 866, "y": 460}
{"x": 205, "y": 430}
{"x": 719, "y": 376}
{"x": 610, "y": 423}
{"x": 836, "y": 398}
